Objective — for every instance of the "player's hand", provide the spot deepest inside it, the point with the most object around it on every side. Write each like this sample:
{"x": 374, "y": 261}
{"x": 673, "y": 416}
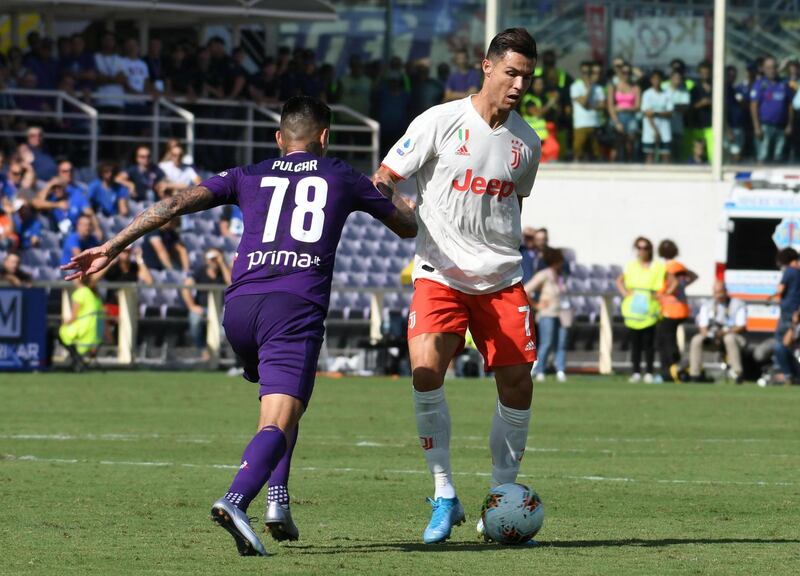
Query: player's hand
{"x": 385, "y": 189}
{"x": 408, "y": 202}
{"x": 383, "y": 182}
{"x": 88, "y": 262}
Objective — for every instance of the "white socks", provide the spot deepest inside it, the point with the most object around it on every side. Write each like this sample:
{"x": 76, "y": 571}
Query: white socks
{"x": 507, "y": 442}
{"x": 433, "y": 426}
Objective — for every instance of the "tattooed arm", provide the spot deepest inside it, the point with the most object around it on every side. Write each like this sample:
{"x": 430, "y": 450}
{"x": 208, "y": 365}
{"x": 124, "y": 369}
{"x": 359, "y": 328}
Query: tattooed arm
{"x": 93, "y": 260}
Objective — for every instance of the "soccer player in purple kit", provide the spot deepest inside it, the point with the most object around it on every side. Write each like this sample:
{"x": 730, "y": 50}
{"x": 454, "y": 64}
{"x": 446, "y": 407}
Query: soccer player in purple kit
{"x": 294, "y": 210}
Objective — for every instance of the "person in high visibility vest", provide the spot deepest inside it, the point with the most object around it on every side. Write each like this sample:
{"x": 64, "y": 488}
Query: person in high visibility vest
{"x": 84, "y": 329}
{"x": 538, "y": 109}
{"x": 639, "y": 284}
{"x": 554, "y": 77}
{"x": 674, "y": 308}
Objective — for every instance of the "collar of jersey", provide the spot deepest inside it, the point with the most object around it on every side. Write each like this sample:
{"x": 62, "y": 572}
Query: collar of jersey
{"x": 492, "y": 131}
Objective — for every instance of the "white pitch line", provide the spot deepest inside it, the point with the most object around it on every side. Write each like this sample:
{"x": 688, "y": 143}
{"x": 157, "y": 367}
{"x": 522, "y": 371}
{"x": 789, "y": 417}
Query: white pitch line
{"x": 210, "y": 439}
{"x": 107, "y": 437}
{"x": 594, "y": 478}
{"x": 365, "y": 442}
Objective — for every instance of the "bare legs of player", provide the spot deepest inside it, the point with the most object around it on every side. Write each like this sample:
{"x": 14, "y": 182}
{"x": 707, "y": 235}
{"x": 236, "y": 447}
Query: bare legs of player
{"x": 430, "y": 355}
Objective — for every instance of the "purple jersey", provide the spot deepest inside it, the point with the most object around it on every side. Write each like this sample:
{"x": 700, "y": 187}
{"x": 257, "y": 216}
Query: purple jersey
{"x": 294, "y": 209}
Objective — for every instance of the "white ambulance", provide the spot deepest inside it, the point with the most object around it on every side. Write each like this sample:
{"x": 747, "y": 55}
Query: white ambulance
{"x": 761, "y": 216}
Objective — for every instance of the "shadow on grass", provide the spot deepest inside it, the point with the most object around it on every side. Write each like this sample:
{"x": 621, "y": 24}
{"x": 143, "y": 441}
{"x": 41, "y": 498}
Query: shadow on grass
{"x": 367, "y": 548}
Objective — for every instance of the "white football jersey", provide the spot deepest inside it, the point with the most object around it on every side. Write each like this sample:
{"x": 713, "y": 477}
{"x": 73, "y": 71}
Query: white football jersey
{"x": 468, "y": 180}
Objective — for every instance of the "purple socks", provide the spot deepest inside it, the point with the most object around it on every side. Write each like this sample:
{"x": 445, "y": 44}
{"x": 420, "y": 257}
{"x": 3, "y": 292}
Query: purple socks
{"x": 260, "y": 457}
{"x": 279, "y": 481}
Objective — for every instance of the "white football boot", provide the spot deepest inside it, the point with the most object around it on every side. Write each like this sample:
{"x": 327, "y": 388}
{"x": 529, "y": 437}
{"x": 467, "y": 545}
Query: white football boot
{"x": 278, "y": 520}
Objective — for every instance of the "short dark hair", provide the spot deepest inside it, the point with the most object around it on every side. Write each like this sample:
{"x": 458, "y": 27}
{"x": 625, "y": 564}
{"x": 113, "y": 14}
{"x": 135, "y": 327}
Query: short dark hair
{"x": 107, "y": 165}
{"x": 647, "y": 242}
{"x": 786, "y": 256}
{"x": 667, "y": 249}
{"x": 303, "y": 117}
{"x": 679, "y": 63}
{"x": 553, "y": 256}
{"x": 516, "y": 40}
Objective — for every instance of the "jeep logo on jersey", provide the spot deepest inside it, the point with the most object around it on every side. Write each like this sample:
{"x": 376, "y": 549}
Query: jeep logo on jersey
{"x": 479, "y": 185}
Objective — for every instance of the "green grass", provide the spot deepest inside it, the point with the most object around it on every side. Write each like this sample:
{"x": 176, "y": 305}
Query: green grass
{"x": 636, "y": 479}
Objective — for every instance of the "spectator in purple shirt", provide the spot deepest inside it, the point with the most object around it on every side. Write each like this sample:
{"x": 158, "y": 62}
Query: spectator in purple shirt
{"x": 33, "y": 103}
{"x": 34, "y": 39}
{"x": 737, "y": 108}
{"x": 155, "y": 63}
{"x": 44, "y": 66}
{"x": 80, "y": 64}
{"x": 773, "y": 116}
{"x": 464, "y": 80}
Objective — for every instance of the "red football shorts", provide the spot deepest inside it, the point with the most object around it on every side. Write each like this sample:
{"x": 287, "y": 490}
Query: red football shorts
{"x": 500, "y": 322}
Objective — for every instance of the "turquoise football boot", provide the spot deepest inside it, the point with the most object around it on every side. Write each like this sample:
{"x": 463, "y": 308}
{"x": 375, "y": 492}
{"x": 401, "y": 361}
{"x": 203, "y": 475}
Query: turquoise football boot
{"x": 447, "y": 512}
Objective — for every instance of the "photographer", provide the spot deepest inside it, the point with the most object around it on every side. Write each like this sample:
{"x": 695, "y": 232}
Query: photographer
{"x": 214, "y": 270}
{"x": 722, "y": 322}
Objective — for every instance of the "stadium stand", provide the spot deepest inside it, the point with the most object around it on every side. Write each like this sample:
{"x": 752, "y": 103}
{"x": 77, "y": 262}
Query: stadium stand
{"x": 225, "y": 112}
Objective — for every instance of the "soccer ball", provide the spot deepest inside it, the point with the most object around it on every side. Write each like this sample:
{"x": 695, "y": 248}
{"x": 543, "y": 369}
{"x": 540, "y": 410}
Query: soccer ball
{"x": 512, "y": 514}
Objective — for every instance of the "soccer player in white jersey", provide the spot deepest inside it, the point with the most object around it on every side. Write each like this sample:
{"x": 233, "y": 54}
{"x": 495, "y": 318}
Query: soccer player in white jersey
{"x": 475, "y": 159}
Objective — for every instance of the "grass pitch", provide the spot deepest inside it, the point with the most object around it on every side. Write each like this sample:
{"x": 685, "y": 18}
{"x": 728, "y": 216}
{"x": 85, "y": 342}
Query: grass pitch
{"x": 115, "y": 474}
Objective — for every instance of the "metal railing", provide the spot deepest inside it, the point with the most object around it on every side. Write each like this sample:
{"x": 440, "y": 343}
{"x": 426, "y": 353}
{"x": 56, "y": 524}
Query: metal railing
{"x": 212, "y": 124}
{"x": 85, "y": 112}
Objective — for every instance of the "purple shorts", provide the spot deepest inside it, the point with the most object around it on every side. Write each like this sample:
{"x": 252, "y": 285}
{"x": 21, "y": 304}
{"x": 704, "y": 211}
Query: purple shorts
{"x": 277, "y": 336}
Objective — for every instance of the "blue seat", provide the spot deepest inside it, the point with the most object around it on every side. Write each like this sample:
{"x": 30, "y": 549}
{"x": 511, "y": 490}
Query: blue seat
{"x": 349, "y": 298}
{"x": 349, "y": 247}
{"x": 360, "y": 264}
{"x": 343, "y": 263}
{"x": 598, "y": 271}
{"x": 147, "y": 296}
{"x": 391, "y": 300}
{"x": 159, "y": 276}
{"x": 381, "y": 264}
{"x": 192, "y": 241}
{"x": 50, "y": 240}
{"x": 215, "y": 241}
{"x": 120, "y": 222}
{"x": 580, "y": 271}
{"x": 174, "y": 276}
{"x": 35, "y": 257}
{"x": 359, "y": 279}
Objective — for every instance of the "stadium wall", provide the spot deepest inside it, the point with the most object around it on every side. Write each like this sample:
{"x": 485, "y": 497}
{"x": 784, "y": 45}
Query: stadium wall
{"x": 600, "y": 219}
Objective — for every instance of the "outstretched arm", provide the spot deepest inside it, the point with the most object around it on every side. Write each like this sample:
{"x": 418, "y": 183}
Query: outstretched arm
{"x": 93, "y": 260}
{"x": 404, "y": 220}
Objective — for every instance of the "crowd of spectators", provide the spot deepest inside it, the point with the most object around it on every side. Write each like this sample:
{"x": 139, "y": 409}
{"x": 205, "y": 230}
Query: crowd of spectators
{"x": 623, "y": 114}
{"x": 620, "y": 114}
